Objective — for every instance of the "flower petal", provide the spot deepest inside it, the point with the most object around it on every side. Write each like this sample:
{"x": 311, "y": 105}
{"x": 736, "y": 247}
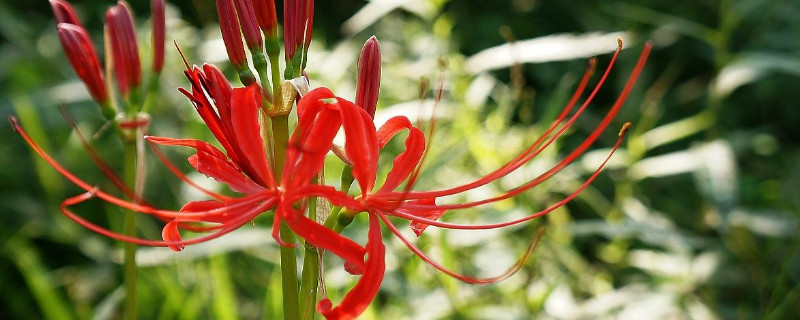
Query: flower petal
{"x": 417, "y": 226}
{"x": 170, "y": 233}
{"x": 244, "y": 117}
{"x": 361, "y": 144}
{"x": 324, "y": 238}
{"x": 357, "y": 300}
{"x": 405, "y": 162}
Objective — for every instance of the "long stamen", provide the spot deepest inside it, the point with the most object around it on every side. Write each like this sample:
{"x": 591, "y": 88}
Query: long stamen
{"x": 99, "y": 162}
{"x": 238, "y": 222}
{"x": 245, "y": 201}
{"x": 413, "y": 206}
{"x": 505, "y": 275}
{"x": 171, "y": 166}
{"x": 536, "y": 148}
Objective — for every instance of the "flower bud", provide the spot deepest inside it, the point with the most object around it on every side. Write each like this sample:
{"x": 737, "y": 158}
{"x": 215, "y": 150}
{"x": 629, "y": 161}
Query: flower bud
{"x": 124, "y": 48}
{"x": 247, "y": 20}
{"x": 266, "y": 16}
{"x": 159, "y": 33}
{"x": 369, "y": 76}
{"x": 64, "y": 12}
{"x": 231, "y": 34}
{"x": 290, "y": 25}
{"x": 83, "y": 57}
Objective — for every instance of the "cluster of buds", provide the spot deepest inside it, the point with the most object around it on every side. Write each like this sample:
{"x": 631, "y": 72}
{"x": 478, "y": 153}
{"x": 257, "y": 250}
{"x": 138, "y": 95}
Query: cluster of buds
{"x": 122, "y": 53}
{"x": 250, "y": 19}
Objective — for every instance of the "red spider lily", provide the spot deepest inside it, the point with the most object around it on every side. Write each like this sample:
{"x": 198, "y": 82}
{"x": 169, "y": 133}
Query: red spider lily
{"x": 362, "y": 145}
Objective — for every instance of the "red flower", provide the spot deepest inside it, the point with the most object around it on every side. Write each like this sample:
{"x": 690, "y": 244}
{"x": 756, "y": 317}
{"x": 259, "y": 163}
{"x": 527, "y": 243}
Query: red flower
{"x": 362, "y": 145}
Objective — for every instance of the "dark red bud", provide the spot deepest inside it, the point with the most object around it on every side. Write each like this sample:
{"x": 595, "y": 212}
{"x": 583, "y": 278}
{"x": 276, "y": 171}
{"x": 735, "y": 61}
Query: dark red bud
{"x": 231, "y": 34}
{"x": 159, "y": 33}
{"x": 83, "y": 57}
{"x": 369, "y": 76}
{"x": 247, "y": 20}
{"x": 266, "y": 16}
{"x": 124, "y": 48}
{"x": 64, "y": 12}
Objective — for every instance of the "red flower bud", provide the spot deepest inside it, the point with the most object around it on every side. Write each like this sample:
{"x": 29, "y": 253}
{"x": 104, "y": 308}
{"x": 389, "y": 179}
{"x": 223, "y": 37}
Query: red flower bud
{"x": 266, "y": 16}
{"x": 307, "y": 23}
{"x": 290, "y": 25}
{"x": 369, "y": 76}
{"x": 299, "y": 19}
{"x": 64, "y": 12}
{"x": 159, "y": 33}
{"x": 124, "y": 49}
{"x": 231, "y": 34}
{"x": 81, "y": 54}
{"x": 247, "y": 19}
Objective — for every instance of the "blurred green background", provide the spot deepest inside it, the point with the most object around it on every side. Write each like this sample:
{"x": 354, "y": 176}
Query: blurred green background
{"x": 696, "y": 217}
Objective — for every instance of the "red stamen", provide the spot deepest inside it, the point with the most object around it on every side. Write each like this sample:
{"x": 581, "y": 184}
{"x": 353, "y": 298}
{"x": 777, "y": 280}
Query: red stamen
{"x": 505, "y": 275}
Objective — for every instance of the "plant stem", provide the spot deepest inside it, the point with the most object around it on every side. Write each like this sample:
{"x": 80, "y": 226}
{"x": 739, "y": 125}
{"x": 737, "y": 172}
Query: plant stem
{"x": 280, "y": 132}
{"x": 291, "y": 306}
{"x": 310, "y": 277}
{"x": 129, "y": 229}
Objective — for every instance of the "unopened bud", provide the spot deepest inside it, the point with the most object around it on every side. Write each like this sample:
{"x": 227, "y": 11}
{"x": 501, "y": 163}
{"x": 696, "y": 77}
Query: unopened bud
{"x": 83, "y": 57}
{"x": 369, "y": 76}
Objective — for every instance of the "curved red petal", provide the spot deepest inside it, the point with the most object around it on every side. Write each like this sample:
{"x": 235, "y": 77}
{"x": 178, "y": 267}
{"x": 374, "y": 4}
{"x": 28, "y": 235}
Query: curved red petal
{"x": 361, "y": 144}
{"x": 362, "y": 294}
{"x": 244, "y": 119}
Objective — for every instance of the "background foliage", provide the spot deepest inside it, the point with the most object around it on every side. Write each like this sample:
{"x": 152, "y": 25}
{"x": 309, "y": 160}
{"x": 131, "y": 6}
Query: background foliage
{"x": 697, "y": 218}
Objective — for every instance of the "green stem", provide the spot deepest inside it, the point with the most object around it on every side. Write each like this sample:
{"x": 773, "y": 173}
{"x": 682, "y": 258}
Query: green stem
{"x": 310, "y": 277}
{"x": 129, "y": 229}
{"x": 291, "y": 305}
{"x": 280, "y": 132}
{"x": 151, "y": 93}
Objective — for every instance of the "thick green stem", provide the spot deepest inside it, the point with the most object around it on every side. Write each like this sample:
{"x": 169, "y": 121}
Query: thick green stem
{"x": 310, "y": 277}
{"x": 291, "y": 305}
{"x": 280, "y": 131}
{"x": 151, "y": 93}
{"x": 275, "y": 73}
{"x": 129, "y": 229}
